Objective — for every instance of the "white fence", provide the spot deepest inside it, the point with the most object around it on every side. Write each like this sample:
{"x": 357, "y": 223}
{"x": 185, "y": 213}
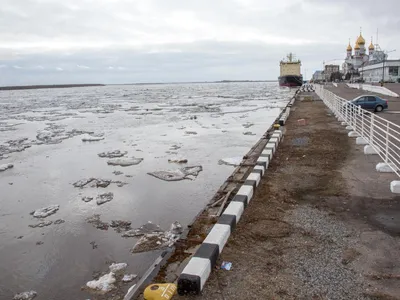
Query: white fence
{"x": 382, "y": 135}
{"x": 373, "y": 88}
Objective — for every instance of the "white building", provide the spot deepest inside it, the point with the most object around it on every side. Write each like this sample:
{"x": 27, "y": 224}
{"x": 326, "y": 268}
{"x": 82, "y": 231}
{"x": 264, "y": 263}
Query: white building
{"x": 388, "y": 70}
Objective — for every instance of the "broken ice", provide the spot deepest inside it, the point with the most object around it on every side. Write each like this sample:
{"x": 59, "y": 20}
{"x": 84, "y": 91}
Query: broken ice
{"x": 46, "y": 211}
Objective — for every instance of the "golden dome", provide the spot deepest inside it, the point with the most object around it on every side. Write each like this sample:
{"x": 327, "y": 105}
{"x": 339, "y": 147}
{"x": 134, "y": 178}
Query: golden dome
{"x": 360, "y": 40}
{"x": 357, "y": 47}
{"x": 371, "y": 46}
{"x": 349, "y": 48}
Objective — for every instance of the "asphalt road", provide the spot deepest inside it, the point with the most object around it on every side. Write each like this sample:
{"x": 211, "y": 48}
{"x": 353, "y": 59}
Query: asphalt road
{"x": 392, "y": 114}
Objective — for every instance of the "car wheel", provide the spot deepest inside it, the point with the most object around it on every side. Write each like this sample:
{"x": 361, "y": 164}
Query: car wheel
{"x": 379, "y": 108}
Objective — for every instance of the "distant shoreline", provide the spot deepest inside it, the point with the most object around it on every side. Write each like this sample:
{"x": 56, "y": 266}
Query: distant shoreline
{"x": 58, "y": 86}
{"x": 51, "y": 86}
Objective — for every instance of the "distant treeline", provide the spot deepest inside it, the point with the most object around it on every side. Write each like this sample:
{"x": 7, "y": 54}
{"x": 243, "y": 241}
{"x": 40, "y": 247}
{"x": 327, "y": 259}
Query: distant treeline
{"x": 54, "y": 86}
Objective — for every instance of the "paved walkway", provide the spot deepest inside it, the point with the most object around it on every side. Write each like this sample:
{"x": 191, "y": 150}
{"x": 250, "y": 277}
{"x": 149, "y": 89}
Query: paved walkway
{"x": 323, "y": 223}
{"x": 392, "y": 114}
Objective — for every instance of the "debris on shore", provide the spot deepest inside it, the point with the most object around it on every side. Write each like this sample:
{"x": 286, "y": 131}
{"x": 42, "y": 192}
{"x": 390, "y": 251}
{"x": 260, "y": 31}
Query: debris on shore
{"x": 46, "y": 211}
{"x": 104, "y": 198}
{"x": 6, "y": 167}
{"x": 179, "y": 174}
{"x": 112, "y": 154}
{"x": 124, "y": 162}
{"x": 25, "y": 295}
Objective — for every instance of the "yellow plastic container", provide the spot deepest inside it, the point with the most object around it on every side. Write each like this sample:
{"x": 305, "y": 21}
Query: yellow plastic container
{"x": 277, "y": 126}
{"x": 163, "y": 291}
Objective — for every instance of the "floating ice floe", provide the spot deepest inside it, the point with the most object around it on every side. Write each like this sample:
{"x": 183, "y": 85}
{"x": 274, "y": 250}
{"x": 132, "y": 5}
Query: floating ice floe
{"x": 117, "y": 267}
{"x": 87, "y": 199}
{"x": 248, "y": 133}
{"x": 41, "y": 224}
{"x": 128, "y": 277}
{"x": 142, "y": 230}
{"x": 124, "y": 162}
{"x": 178, "y": 160}
{"x": 178, "y": 174}
{"x": 95, "y": 182}
{"x": 46, "y": 211}
{"x": 92, "y": 139}
{"x": 158, "y": 240}
{"x": 97, "y": 223}
{"x": 6, "y": 167}
{"x": 231, "y": 161}
{"x": 104, "y": 284}
{"x": 190, "y": 132}
{"x": 25, "y": 296}
{"x": 112, "y": 154}
{"x": 104, "y": 198}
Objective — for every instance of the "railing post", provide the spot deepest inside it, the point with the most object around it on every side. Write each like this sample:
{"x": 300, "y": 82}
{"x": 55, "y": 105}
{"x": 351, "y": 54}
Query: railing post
{"x": 362, "y": 124}
{"x": 371, "y": 130}
{"x": 387, "y": 143}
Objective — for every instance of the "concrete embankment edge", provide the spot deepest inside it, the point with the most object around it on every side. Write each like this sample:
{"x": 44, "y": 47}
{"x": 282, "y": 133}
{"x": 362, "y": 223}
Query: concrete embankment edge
{"x": 196, "y": 272}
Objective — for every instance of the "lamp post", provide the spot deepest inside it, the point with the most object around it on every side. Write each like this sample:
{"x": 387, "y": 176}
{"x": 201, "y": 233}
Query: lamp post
{"x": 383, "y": 64}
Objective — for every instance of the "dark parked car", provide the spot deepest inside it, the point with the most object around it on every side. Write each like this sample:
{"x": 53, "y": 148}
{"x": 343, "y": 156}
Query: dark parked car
{"x": 368, "y": 102}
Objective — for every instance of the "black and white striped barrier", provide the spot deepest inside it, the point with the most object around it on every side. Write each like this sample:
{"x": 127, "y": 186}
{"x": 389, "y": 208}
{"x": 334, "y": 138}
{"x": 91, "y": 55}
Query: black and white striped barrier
{"x": 284, "y": 116}
{"x": 197, "y": 271}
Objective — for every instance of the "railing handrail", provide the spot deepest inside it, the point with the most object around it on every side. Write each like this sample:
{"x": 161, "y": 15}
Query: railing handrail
{"x": 382, "y": 135}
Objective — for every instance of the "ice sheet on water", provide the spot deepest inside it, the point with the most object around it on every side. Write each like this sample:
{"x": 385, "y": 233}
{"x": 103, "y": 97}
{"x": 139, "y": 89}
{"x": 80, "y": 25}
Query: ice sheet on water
{"x": 113, "y": 154}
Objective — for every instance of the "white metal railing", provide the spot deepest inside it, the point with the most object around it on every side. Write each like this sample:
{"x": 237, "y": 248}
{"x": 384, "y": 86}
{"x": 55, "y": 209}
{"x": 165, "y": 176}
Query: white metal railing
{"x": 382, "y": 135}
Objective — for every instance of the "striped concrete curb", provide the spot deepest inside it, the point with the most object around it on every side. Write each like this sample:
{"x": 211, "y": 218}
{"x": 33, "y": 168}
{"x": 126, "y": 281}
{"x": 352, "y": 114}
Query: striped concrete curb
{"x": 197, "y": 271}
{"x": 285, "y": 115}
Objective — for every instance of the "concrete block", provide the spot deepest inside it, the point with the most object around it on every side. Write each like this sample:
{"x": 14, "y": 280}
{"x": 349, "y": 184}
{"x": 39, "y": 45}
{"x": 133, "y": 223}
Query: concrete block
{"x": 194, "y": 276}
{"x": 361, "y": 141}
{"x": 261, "y": 168}
{"x": 395, "y": 187}
{"x": 353, "y": 134}
{"x": 246, "y": 190}
{"x": 234, "y": 208}
{"x": 219, "y": 235}
{"x": 274, "y": 140}
{"x": 254, "y": 176}
{"x": 268, "y": 152}
{"x": 386, "y": 168}
{"x": 368, "y": 150}
{"x": 349, "y": 128}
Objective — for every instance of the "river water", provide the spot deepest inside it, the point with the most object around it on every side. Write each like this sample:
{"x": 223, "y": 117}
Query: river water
{"x": 41, "y": 134}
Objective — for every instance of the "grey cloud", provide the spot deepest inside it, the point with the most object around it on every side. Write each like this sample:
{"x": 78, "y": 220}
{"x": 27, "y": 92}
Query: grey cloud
{"x": 156, "y": 40}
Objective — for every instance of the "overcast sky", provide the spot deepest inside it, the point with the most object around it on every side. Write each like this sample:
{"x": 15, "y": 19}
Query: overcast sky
{"x": 127, "y": 41}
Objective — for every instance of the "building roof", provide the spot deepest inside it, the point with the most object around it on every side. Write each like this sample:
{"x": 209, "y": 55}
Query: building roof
{"x": 371, "y": 46}
{"x": 349, "y": 48}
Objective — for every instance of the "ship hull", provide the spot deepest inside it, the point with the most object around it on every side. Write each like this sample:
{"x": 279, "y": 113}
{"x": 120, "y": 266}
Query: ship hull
{"x": 290, "y": 80}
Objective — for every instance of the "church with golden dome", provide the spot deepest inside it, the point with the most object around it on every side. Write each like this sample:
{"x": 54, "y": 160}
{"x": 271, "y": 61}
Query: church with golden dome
{"x": 354, "y": 60}
{"x": 369, "y": 65}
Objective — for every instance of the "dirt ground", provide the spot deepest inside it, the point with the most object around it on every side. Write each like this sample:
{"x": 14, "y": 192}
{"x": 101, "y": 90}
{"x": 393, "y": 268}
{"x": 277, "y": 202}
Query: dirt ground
{"x": 323, "y": 223}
